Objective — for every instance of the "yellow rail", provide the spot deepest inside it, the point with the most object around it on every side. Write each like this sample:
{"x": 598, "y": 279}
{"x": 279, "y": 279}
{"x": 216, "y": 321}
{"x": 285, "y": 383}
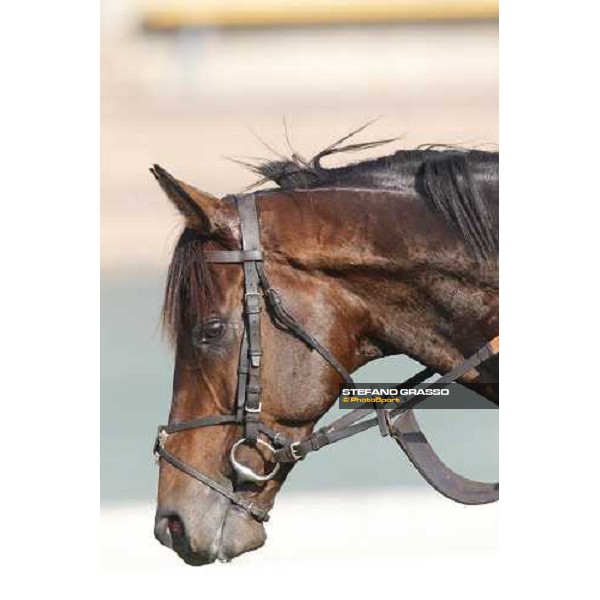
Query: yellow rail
{"x": 261, "y": 13}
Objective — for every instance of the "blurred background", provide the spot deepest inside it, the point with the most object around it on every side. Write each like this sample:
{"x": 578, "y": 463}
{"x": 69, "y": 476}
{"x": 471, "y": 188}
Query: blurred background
{"x": 190, "y": 83}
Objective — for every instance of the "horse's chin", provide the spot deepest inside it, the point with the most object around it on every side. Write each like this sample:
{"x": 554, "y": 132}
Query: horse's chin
{"x": 239, "y": 533}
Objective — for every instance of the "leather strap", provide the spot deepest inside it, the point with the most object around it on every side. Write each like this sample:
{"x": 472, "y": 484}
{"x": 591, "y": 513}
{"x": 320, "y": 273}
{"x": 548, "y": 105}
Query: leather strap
{"x": 208, "y": 421}
{"x": 257, "y": 512}
{"x": 411, "y": 382}
{"x": 411, "y": 439}
{"x": 347, "y": 425}
{"x": 407, "y": 433}
{"x": 286, "y": 319}
{"x": 319, "y": 439}
{"x": 344, "y": 427}
{"x": 252, "y": 308}
{"x": 484, "y": 353}
{"x": 243, "y": 372}
{"x": 232, "y": 256}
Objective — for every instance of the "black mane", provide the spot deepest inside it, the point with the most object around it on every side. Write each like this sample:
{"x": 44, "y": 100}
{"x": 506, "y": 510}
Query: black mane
{"x": 460, "y": 184}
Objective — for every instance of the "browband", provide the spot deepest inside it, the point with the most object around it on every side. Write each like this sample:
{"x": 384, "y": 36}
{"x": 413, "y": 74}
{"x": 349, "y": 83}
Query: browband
{"x": 232, "y": 256}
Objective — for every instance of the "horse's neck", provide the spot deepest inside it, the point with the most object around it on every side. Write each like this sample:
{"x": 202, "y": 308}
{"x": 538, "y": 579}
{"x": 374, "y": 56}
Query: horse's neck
{"x": 436, "y": 317}
{"x": 430, "y": 298}
{"x": 425, "y": 295}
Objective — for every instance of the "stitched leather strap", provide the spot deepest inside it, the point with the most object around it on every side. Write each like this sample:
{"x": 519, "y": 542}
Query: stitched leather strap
{"x": 286, "y": 319}
{"x": 243, "y": 372}
{"x": 252, "y": 309}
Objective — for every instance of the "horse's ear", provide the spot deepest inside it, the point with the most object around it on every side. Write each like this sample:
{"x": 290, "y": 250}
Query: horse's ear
{"x": 202, "y": 212}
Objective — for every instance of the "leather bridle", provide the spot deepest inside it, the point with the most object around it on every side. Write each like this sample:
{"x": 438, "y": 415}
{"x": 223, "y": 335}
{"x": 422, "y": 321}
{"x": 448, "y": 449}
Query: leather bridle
{"x": 396, "y": 419}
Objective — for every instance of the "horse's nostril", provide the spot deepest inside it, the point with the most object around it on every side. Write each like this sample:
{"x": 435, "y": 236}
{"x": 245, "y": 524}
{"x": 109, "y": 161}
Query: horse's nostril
{"x": 176, "y": 528}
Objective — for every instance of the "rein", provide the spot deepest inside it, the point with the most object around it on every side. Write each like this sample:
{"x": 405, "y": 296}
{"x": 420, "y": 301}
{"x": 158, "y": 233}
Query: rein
{"x": 397, "y": 421}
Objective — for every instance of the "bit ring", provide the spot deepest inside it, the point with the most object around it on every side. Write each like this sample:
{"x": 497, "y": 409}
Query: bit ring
{"x": 244, "y": 472}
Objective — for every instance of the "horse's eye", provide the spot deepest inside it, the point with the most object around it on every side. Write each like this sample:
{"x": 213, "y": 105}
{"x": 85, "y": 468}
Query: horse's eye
{"x": 213, "y": 329}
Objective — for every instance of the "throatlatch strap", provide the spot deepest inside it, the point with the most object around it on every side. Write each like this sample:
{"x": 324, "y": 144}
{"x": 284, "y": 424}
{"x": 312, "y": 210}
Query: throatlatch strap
{"x": 286, "y": 318}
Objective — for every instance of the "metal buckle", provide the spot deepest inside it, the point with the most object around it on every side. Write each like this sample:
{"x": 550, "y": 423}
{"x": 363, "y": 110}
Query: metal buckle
{"x": 388, "y": 421}
{"x": 294, "y": 451}
{"x": 253, "y": 410}
{"x": 391, "y": 420}
{"x": 250, "y": 295}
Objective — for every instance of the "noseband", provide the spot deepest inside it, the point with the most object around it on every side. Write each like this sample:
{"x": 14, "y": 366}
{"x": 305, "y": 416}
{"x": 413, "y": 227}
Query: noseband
{"x": 398, "y": 420}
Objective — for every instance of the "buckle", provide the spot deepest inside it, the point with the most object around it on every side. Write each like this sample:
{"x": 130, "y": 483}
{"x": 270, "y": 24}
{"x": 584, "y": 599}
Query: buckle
{"x": 389, "y": 421}
{"x": 253, "y": 410}
{"x": 392, "y": 419}
{"x": 294, "y": 451}
{"x": 255, "y": 355}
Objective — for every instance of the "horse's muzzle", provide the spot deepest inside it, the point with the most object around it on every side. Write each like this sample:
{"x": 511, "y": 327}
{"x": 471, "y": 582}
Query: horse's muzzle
{"x": 201, "y": 538}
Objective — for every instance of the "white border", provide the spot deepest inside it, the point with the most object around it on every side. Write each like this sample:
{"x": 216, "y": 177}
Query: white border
{"x": 549, "y": 301}
{"x": 549, "y": 106}
{"x": 50, "y": 294}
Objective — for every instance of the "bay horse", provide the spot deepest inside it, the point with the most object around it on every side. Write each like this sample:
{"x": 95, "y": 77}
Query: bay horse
{"x": 396, "y": 255}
